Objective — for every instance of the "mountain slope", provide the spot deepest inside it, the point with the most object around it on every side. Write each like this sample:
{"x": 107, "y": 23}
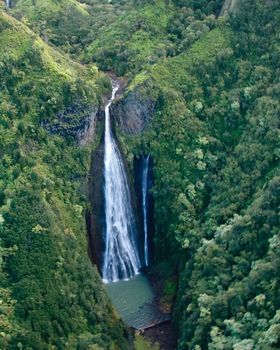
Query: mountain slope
{"x": 53, "y": 296}
{"x": 214, "y": 139}
{"x": 70, "y": 25}
{"x": 212, "y": 85}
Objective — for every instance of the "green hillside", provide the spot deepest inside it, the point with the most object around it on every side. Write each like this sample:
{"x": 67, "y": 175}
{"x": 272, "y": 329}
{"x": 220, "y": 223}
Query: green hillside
{"x": 70, "y": 25}
{"x": 51, "y": 295}
{"x": 215, "y": 142}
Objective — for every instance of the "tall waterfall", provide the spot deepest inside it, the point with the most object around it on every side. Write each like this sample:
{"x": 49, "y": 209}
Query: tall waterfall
{"x": 145, "y": 189}
{"x": 228, "y": 6}
{"x": 121, "y": 257}
{"x": 8, "y": 4}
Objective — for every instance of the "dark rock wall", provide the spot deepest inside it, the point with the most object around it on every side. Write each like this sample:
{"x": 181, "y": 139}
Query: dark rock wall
{"x": 95, "y": 215}
{"x": 134, "y": 112}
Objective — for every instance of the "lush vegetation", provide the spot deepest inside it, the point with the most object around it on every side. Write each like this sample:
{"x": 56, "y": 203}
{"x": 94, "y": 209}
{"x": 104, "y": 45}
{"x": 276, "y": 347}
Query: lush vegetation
{"x": 215, "y": 143}
{"x": 70, "y": 25}
{"x": 51, "y": 295}
{"x": 149, "y": 33}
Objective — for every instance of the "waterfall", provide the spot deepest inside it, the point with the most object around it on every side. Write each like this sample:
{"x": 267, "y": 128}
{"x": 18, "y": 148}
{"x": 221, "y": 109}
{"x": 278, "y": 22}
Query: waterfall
{"x": 121, "y": 257}
{"x": 228, "y": 6}
{"x": 8, "y": 3}
{"x": 145, "y": 189}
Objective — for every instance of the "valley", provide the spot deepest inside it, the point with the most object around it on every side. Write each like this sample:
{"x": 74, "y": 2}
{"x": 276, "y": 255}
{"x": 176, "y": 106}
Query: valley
{"x": 155, "y": 204}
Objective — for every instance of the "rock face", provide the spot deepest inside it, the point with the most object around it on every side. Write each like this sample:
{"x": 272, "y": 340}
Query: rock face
{"x": 77, "y": 121}
{"x": 134, "y": 112}
{"x": 86, "y": 134}
{"x": 95, "y": 217}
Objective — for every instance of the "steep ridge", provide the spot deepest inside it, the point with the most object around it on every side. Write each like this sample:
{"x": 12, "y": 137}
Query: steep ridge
{"x": 52, "y": 295}
{"x": 203, "y": 101}
{"x": 214, "y": 140}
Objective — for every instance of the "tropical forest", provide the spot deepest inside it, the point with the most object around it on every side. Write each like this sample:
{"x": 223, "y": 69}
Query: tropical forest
{"x": 139, "y": 174}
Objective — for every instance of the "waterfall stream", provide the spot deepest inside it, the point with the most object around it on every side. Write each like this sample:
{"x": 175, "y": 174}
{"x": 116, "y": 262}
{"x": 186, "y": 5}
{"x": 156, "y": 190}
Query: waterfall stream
{"x": 228, "y": 6}
{"x": 145, "y": 189}
{"x": 121, "y": 256}
{"x": 8, "y": 3}
{"x": 131, "y": 293}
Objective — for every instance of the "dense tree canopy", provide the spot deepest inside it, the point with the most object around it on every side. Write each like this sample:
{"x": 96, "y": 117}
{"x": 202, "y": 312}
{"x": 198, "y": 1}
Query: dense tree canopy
{"x": 215, "y": 143}
{"x": 51, "y": 295}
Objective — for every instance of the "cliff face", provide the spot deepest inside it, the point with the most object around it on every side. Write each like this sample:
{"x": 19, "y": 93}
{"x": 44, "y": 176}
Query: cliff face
{"x": 95, "y": 216}
{"x": 134, "y": 112}
{"x": 87, "y": 132}
{"x": 77, "y": 121}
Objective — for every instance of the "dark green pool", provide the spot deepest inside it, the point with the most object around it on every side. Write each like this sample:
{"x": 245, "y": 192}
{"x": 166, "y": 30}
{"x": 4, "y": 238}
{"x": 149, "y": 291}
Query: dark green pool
{"x": 133, "y": 299}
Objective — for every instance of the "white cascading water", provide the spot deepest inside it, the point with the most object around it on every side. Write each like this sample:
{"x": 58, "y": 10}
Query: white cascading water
{"x": 121, "y": 257}
{"x": 145, "y": 189}
{"x": 8, "y": 3}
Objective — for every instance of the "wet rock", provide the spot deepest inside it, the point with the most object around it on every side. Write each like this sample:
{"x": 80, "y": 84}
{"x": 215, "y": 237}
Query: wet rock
{"x": 96, "y": 214}
{"x": 134, "y": 112}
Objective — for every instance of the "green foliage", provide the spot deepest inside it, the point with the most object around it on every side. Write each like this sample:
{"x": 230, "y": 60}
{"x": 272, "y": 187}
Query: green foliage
{"x": 148, "y": 34}
{"x": 51, "y": 295}
{"x": 136, "y": 38}
{"x": 141, "y": 344}
{"x": 8, "y": 326}
{"x": 51, "y": 20}
{"x": 214, "y": 140}
{"x": 69, "y": 24}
